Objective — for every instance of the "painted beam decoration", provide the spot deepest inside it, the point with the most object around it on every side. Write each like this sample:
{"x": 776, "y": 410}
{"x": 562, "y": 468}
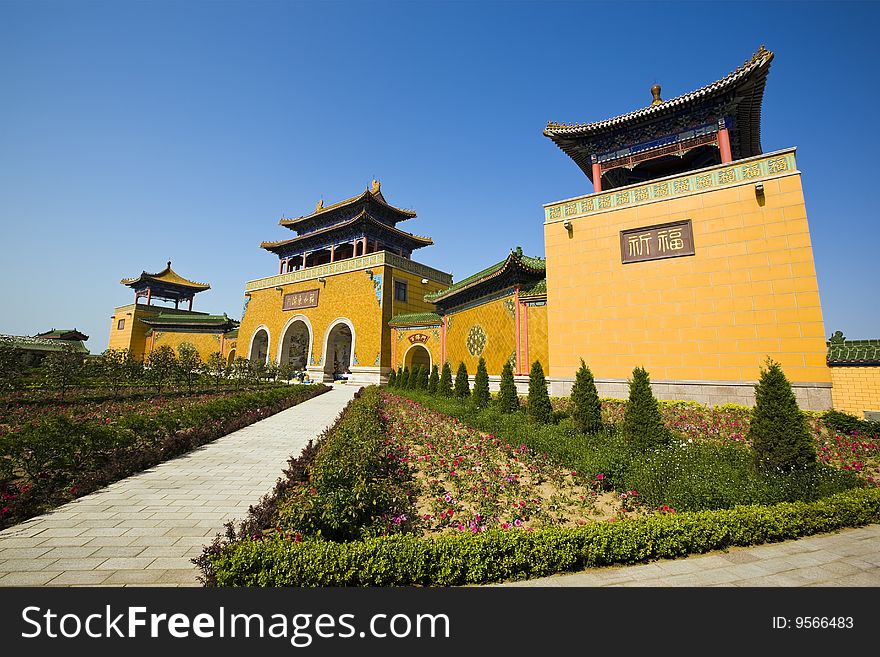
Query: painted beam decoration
{"x": 298, "y": 300}
{"x": 670, "y": 240}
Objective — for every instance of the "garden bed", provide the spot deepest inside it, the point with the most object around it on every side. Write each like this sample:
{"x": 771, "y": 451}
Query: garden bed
{"x": 58, "y": 456}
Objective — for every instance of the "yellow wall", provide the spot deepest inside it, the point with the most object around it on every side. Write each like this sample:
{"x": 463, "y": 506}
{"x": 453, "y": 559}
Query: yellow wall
{"x": 856, "y": 389}
{"x": 497, "y": 322}
{"x": 205, "y": 343}
{"x": 133, "y": 334}
{"x": 350, "y": 295}
{"x": 749, "y": 292}
{"x": 403, "y": 345}
{"x": 537, "y": 338}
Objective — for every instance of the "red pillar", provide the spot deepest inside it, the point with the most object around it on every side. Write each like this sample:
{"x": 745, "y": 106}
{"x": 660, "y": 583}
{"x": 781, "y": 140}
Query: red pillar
{"x": 149, "y": 296}
{"x": 516, "y": 322}
{"x": 354, "y": 249}
{"x": 724, "y": 146}
{"x": 364, "y": 248}
{"x": 280, "y": 266}
{"x": 525, "y": 316}
{"x": 190, "y": 303}
{"x": 305, "y": 256}
{"x": 443, "y": 342}
{"x": 597, "y": 177}
{"x": 332, "y": 252}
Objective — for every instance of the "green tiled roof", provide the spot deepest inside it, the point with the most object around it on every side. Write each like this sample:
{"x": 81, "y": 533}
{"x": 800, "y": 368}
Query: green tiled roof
{"x": 166, "y": 318}
{"x": 415, "y": 319}
{"x": 538, "y": 289}
{"x": 535, "y": 264}
{"x": 44, "y": 344}
{"x": 854, "y": 352}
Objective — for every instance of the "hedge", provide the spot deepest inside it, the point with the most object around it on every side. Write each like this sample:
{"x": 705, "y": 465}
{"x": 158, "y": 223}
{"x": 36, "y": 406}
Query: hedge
{"x": 496, "y": 555}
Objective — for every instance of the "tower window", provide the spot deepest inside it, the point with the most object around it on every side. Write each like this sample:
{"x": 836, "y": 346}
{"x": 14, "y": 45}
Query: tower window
{"x": 400, "y": 291}
{"x": 120, "y": 324}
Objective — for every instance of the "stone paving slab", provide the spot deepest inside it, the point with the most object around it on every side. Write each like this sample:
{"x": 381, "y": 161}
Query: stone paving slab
{"x": 144, "y": 530}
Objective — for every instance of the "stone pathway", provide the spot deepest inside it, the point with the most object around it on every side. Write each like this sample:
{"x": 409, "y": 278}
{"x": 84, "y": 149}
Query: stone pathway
{"x": 144, "y": 530}
{"x": 849, "y": 558}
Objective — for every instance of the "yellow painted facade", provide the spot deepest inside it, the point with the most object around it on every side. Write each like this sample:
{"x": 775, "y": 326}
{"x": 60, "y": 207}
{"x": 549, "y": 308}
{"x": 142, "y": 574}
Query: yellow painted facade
{"x": 132, "y": 333}
{"x": 856, "y": 389}
{"x": 537, "y": 339}
{"x": 357, "y": 293}
{"x": 486, "y": 330}
{"x": 408, "y": 341}
{"x": 749, "y": 292}
{"x": 205, "y": 343}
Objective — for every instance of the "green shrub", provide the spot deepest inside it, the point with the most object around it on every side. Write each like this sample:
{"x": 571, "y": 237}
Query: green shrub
{"x": 539, "y": 407}
{"x": 778, "y": 431}
{"x": 462, "y": 385}
{"x": 434, "y": 380}
{"x": 850, "y": 424}
{"x": 586, "y": 409}
{"x": 496, "y": 555}
{"x": 392, "y": 379}
{"x": 480, "y": 395}
{"x": 445, "y": 387}
{"x": 642, "y": 424}
{"x": 424, "y": 378}
{"x": 508, "y": 398}
{"x": 404, "y": 380}
{"x": 415, "y": 379}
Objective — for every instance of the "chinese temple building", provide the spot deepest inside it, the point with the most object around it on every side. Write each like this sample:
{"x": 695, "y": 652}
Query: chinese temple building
{"x": 498, "y": 314}
{"x": 690, "y": 257}
{"x": 140, "y": 327}
{"x": 340, "y": 279}
{"x": 34, "y": 348}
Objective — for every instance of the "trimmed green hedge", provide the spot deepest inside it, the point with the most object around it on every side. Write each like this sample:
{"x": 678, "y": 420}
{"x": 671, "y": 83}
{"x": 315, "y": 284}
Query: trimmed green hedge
{"x": 494, "y": 556}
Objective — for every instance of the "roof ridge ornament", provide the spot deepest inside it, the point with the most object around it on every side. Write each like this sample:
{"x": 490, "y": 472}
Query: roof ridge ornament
{"x": 319, "y": 205}
{"x": 374, "y": 188}
{"x": 655, "y": 91}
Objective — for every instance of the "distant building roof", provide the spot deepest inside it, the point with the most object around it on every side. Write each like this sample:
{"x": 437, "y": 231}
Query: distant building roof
{"x": 29, "y": 343}
{"x": 167, "y": 277}
{"x": 852, "y": 352}
{"x": 63, "y": 334}
{"x": 170, "y": 321}
{"x": 416, "y": 319}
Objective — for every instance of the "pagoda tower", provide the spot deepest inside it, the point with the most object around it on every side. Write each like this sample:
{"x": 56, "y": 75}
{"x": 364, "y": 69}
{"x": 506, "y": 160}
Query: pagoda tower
{"x": 338, "y": 282}
{"x": 691, "y": 256}
{"x": 142, "y": 326}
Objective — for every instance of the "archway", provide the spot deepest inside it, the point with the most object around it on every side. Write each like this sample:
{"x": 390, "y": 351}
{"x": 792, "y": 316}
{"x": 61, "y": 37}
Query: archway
{"x": 415, "y": 356}
{"x": 338, "y": 349}
{"x": 296, "y": 343}
{"x": 260, "y": 346}
{"x": 230, "y": 358}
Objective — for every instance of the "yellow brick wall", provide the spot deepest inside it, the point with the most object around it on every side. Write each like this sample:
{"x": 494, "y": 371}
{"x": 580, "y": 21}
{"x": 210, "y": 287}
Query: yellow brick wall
{"x": 855, "y": 389}
{"x": 749, "y": 292}
{"x": 133, "y": 334}
{"x": 496, "y": 320}
{"x": 415, "y": 303}
{"x": 403, "y": 354}
{"x": 205, "y": 343}
{"x": 350, "y": 295}
{"x": 537, "y": 338}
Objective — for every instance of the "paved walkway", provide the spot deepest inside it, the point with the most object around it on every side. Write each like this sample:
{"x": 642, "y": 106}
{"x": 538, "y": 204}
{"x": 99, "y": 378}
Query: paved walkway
{"x": 144, "y": 530}
{"x": 850, "y": 557}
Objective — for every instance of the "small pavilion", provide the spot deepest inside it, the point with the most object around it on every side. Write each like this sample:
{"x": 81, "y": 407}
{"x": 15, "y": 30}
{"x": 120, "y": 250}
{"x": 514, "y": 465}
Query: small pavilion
{"x": 166, "y": 285}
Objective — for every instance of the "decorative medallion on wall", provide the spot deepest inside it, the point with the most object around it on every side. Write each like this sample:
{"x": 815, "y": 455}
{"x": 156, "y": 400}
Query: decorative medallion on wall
{"x": 510, "y": 307}
{"x": 436, "y": 334}
{"x": 476, "y": 340}
{"x": 448, "y": 321}
{"x": 377, "y": 283}
{"x": 512, "y": 361}
{"x": 400, "y": 335}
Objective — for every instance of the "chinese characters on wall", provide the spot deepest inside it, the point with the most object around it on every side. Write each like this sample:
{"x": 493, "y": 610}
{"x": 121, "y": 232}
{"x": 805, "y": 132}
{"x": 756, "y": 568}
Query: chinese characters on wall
{"x": 297, "y": 300}
{"x": 656, "y": 242}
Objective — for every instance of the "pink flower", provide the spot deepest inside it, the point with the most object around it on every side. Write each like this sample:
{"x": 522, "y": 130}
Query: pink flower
{"x": 600, "y": 477}
{"x": 517, "y": 523}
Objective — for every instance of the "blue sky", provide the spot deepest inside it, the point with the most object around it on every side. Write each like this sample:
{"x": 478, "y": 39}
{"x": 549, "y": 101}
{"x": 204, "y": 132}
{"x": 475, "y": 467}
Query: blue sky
{"x": 131, "y": 133}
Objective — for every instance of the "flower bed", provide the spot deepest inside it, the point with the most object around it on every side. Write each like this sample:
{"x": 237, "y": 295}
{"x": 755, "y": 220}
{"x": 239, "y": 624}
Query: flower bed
{"x": 58, "y": 457}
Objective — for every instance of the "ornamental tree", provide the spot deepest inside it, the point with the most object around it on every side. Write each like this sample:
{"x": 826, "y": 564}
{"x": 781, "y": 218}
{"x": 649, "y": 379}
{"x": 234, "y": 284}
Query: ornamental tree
{"x": 404, "y": 379}
{"x": 161, "y": 366}
{"x": 216, "y": 366}
{"x": 116, "y": 367}
{"x": 778, "y": 431}
{"x": 392, "y": 379}
{"x": 424, "y": 377}
{"x": 480, "y": 395}
{"x": 433, "y": 380}
{"x": 586, "y": 411}
{"x": 539, "y": 407}
{"x": 189, "y": 364}
{"x": 462, "y": 385}
{"x": 642, "y": 424}
{"x": 63, "y": 369}
{"x": 415, "y": 379}
{"x": 508, "y": 398}
{"x": 11, "y": 365}
{"x": 445, "y": 386}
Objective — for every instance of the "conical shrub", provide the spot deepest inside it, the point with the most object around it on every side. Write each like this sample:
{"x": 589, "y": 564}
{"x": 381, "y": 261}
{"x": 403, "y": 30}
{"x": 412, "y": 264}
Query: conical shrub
{"x": 480, "y": 394}
{"x": 445, "y": 386}
{"x": 586, "y": 409}
{"x": 778, "y": 431}
{"x": 392, "y": 379}
{"x": 462, "y": 385}
{"x": 424, "y": 377}
{"x": 642, "y": 423}
{"x": 539, "y": 407}
{"x": 403, "y": 381}
{"x": 508, "y": 398}
{"x": 434, "y": 380}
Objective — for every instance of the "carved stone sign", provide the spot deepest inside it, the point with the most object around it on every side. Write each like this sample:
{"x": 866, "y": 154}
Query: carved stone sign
{"x": 297, "y": 300}
{"x": 656, "y": 242}
{"x": 421, "y": 338}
